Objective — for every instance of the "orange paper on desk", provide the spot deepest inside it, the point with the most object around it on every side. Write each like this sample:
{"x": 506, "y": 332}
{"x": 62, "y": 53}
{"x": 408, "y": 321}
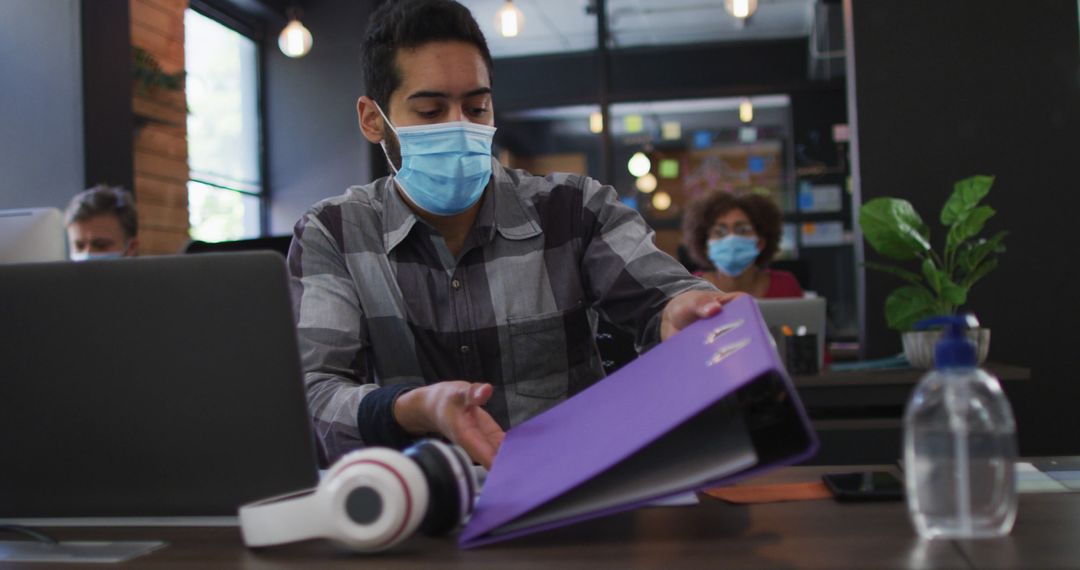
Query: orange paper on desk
{"x": 750, "y": 494}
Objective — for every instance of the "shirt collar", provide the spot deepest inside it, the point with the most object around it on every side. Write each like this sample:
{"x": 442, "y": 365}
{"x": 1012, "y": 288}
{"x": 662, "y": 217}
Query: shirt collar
{"x": 503, "y": 207}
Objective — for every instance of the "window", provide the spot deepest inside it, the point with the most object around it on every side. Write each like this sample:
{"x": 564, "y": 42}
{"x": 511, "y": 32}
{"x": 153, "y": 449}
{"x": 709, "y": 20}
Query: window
{"x": 225, "y": 190}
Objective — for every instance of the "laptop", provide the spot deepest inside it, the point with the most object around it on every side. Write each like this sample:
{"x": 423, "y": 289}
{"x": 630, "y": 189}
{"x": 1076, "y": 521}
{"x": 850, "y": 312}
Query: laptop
{"x": 31, "y": 235}
{"x": 796, "y": 313}
{"x": 149, "y": 390}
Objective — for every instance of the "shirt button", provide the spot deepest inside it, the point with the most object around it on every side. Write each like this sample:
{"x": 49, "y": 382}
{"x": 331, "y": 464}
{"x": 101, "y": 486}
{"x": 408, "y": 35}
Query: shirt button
{"x": 455, "y": 284}
{"x": 465, "y": 349}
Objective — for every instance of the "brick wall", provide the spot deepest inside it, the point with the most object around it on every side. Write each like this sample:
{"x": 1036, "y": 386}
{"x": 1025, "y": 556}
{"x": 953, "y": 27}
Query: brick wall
{"x": 161, "y": 161}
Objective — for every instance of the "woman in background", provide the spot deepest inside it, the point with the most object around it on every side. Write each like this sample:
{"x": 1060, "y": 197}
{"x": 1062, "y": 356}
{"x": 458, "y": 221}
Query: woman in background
{"x": 737, "y": 236}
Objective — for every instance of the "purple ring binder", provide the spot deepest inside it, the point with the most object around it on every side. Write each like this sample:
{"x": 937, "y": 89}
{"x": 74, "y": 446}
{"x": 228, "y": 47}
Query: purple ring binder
{"x": 710, "y": 405}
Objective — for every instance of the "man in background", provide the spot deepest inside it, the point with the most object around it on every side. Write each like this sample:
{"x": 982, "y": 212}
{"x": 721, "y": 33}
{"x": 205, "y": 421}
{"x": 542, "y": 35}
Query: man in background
{"x": 101, "y": 224}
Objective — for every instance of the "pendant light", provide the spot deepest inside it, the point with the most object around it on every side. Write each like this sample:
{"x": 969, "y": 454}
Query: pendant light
{"x": 639, "y": 164}
{"x": 508, "y": 20}
{"x": 661, "y": 201}
{"x": 295, "y": 40}
{"x": 646, "y": 184}
{"x": 741, "y": 10}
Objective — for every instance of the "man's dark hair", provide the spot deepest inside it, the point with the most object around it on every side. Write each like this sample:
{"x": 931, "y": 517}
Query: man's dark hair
{"x": 398, "y": 24}
{"x": 102, "y": 200}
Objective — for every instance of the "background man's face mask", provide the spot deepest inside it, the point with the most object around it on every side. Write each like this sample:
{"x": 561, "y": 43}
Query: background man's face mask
{"x": 444, "y": 167}
{"x": 733, "y": 254}
{"x": 87, "y": 256}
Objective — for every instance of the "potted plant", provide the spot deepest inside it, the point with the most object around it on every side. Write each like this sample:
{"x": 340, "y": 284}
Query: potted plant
{"x": 939, "y": 280}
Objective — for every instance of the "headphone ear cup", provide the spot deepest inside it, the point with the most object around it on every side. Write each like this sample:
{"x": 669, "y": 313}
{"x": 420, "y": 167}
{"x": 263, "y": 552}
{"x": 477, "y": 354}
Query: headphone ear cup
{"x": 451, "y": 481}
{"x": 375, "y": 499}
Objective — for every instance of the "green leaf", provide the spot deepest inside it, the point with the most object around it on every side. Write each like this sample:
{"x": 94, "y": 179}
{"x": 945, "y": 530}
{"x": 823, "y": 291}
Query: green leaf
{"x": 950, "y": 293}
{"x": 909, "y": 276}
{"x": 894, "y": 229}
{"x": 908, "y": 305}
{"x": 962, "y": 263}
{"x": 969, "y": 227}
{"x": 972, "y": 256}
{"x": 966, "y": 195}
{"x": 932, "y": 275}
{"x": 955, "y": 295}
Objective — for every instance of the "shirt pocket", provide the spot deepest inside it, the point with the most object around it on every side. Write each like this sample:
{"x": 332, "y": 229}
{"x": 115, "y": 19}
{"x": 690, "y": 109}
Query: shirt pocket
{"x": 545, "y": 348}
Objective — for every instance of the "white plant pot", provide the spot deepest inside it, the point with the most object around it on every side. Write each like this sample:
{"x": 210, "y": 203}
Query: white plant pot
{"x": 919, "y": 346}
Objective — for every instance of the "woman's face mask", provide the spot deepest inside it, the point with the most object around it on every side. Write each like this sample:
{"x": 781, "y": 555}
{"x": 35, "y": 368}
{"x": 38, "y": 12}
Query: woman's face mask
{"x": 445, "y": 166}
{"x": 733, "y": 254}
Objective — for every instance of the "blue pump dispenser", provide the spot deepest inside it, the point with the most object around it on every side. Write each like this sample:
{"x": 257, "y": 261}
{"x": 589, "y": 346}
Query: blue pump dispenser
{"x": 955, "y": 349}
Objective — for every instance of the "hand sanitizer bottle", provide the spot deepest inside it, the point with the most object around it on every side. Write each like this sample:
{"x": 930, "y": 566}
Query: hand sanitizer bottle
{"x": 959, "y": 444}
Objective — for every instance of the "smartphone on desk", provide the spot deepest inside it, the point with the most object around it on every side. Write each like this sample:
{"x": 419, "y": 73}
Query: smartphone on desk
{"x": 864, "y": 486}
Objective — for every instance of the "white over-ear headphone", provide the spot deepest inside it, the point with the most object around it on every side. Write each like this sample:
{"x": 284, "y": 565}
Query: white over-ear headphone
{"x": 371, "y": 499}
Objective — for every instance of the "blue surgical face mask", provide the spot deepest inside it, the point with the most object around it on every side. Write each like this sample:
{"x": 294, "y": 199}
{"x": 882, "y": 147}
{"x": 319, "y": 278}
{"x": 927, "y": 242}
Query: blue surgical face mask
{"x": 733, "y": 254}
{"x": 87, "y": 256}
{"x": 444, "y": 167}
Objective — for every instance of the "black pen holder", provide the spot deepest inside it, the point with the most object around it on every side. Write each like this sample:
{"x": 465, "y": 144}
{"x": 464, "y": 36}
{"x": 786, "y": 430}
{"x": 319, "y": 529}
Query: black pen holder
{"x": 800, "y": 354}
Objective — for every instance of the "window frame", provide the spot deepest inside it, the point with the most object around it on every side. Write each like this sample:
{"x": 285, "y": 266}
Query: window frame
{"x": 220, "y": 12}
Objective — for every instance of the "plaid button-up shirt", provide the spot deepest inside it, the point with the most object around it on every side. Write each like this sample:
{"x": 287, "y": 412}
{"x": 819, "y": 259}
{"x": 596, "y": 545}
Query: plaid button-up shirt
{"x": 380, "y": 300}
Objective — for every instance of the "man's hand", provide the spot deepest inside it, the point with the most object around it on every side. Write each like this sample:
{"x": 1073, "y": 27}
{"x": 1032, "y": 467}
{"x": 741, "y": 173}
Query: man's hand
{"x": 682, "y": 310}
{"x": 452, "y": 408}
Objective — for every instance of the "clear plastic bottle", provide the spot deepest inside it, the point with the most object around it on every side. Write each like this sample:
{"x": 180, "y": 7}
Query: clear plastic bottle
{"x": 959, "y": 444}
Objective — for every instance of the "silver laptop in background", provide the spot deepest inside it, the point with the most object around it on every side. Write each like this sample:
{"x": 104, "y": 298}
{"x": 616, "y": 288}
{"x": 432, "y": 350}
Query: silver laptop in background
{"x": 795, "y": 313}
{"x": 149, "y": 390}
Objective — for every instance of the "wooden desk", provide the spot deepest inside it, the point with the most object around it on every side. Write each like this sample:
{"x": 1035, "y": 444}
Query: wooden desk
{"x": 858, "y": 414}
{"x": 810, "y": 534}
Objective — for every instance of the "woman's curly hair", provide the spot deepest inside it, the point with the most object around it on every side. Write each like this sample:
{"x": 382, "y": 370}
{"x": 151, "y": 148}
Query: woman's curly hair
{"x": 701, "y": 214}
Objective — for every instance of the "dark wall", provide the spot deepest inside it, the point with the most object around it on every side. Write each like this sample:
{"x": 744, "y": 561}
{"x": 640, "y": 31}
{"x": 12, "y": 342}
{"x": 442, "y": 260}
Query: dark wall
{"x": 944, "y": 90}
{"x": 314, "y": 146}
{"x": 642, "y": 74}
{"x": 813, "y": 114}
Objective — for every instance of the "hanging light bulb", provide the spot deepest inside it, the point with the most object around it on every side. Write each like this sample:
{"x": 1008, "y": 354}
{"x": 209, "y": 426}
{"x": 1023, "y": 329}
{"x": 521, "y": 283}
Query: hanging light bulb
{"x": 508, "y": 20}
{"x": 661, "y": 201}
{"x": 639, "y": 164}
{"x": 741, "y": 9}
{"x": 295, "y": 40}
{"x": 746, "y": 110}
{"x": 646, "y": 184}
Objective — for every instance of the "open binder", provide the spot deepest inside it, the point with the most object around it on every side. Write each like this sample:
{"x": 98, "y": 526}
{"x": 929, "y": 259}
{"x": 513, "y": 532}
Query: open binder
{"x": 710, "y": 405}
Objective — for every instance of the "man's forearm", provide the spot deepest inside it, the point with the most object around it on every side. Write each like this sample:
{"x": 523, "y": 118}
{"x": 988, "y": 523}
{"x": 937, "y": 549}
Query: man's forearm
{"x": 411, "y": 411}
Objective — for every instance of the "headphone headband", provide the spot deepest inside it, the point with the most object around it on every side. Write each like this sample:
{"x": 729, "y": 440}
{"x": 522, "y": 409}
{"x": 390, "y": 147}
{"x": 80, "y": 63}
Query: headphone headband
{"x": 285, "y": 518}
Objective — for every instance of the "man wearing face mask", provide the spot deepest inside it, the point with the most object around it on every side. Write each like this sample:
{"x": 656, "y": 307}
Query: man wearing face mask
{"x": 457, "y": 297}
{"x": 102, "y": 224}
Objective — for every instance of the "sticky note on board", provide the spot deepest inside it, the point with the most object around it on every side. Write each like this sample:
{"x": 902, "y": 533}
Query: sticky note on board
{"x": 702, "y": 139}
{"x": 669, "y": 168}
{"x": 671, "y": 130}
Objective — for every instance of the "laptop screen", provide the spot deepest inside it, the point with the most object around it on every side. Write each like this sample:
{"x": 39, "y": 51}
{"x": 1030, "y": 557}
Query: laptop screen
{"x": 150, "y": 387}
